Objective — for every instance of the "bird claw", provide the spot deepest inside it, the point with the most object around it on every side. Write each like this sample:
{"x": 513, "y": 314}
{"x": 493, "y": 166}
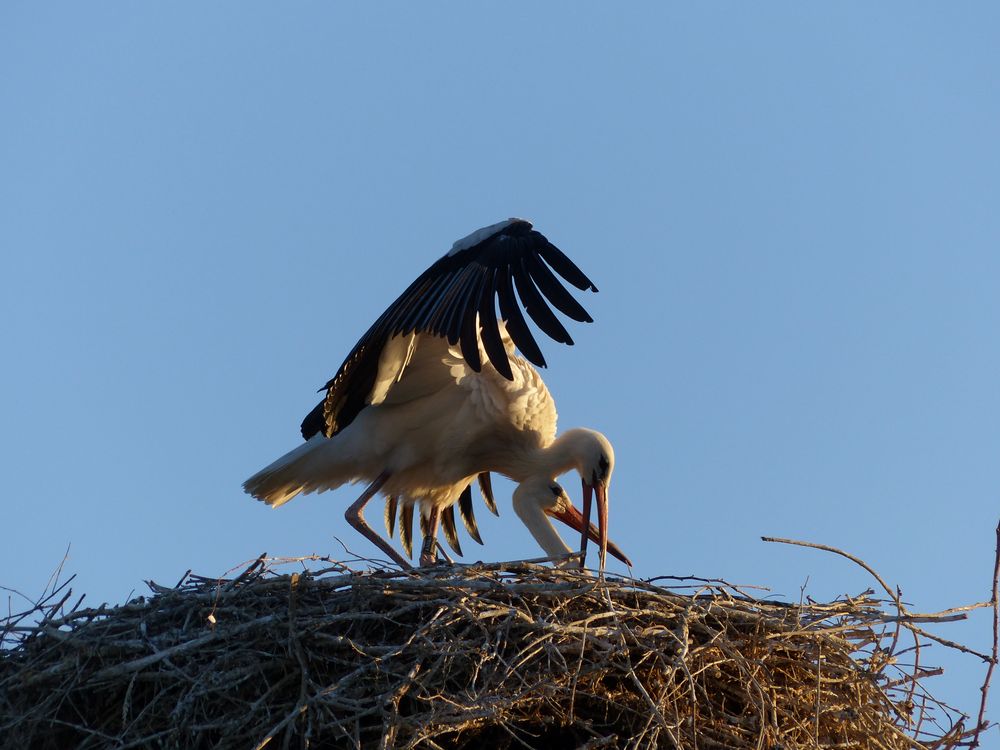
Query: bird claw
{"x": 433, "y": 554}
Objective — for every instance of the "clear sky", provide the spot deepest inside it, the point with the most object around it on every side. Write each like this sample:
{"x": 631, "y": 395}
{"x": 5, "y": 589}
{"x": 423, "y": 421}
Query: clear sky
{"x": 790, "y": 210}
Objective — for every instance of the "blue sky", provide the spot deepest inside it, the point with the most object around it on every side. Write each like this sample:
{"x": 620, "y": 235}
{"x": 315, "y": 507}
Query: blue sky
{"x": 790, "y": 211}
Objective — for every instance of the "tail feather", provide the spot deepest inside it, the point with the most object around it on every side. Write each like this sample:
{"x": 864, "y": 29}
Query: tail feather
{"x": 311, "y": 467}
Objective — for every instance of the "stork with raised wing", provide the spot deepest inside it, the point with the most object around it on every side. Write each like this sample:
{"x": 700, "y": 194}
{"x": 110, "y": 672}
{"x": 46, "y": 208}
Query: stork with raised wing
{"x": 434, "y": 395}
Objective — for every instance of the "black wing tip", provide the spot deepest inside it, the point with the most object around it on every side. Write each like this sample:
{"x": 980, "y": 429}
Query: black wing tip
{"x": 468, "y": 514}
{"x": 314, "y": 422}
{"x": 450, "y": 530}
{"x": 486, "y": 488}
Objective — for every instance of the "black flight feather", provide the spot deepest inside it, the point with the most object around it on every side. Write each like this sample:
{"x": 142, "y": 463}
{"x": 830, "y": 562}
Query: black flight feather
{"x": 468, "y": 516}
{"x": 518, "y": 329}
{"x": 554, "y": 291}
{"x": 563, "y": 265}
{"x": 536, "y": 307}
{"x": 315, "y": 422}
{"x": 406, "y": 528}
{"x": 458, "y": 306}
{"x": 486, "y": 487}
{"x": 470, "y": 343}
{"x": 450, "y": 532}
{"x": 390, "y": 513}
{"x": 491, "y": 333}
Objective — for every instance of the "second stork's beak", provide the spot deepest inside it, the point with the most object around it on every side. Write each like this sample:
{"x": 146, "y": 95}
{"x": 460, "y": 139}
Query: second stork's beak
{"x": 580, "y": 522}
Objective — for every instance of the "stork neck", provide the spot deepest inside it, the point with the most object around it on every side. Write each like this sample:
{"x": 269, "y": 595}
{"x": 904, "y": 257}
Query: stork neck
{"x": 530, "y": 508}
{"x": 550, "y": 461}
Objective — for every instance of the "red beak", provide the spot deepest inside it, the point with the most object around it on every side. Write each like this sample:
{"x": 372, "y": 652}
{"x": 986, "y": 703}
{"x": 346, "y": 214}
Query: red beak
{"x": 602, "y": 520}
{"x": 578, "y": 522}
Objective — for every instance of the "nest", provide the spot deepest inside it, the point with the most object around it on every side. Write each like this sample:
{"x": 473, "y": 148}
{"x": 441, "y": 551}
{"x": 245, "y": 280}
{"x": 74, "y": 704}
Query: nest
{"x": 513, "y": 655}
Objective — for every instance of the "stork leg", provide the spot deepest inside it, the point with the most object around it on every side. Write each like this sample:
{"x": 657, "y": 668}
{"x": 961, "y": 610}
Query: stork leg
{"x": 428, "y": 552}
{"x": 355, "y": 517}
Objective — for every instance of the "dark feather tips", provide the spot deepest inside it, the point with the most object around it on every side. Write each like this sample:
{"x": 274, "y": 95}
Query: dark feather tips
{"x": 457, "y": 298}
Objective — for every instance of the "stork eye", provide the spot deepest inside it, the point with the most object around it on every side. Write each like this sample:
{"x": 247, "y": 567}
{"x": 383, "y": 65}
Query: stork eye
{"x": 601, "y": 472}
{"x": 556, "y": 489}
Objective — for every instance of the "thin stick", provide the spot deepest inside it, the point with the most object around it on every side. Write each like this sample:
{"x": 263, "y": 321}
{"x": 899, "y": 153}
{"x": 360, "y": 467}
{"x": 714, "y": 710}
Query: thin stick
{"x": 985, "y": 689}
{"x": 857, "y": 560}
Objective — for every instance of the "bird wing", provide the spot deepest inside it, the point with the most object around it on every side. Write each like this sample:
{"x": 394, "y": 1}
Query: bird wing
{"x": 456, "y": 299}
{"x": 414, "y": 367}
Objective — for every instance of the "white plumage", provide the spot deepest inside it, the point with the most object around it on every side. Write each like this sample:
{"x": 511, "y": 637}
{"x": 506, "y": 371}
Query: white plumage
{"x": 419, "y": 416}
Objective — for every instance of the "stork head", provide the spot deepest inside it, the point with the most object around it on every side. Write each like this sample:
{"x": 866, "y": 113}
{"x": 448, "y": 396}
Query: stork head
{"x": 536, "y": 498}
{"x": 594, "y": 458}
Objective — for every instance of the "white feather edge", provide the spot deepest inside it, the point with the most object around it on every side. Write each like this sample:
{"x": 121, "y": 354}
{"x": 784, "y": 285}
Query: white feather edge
{"x": 479, "y": 235}
{"x": 392, "y": 361}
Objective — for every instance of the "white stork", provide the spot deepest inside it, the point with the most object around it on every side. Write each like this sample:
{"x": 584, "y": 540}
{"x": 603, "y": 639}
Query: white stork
{"x": 434, "y": 395}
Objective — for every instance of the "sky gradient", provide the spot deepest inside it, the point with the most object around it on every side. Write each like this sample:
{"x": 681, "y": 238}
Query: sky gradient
{"x": 790, "y": 212}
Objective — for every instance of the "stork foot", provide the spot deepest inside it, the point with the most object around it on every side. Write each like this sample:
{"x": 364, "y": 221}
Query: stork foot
{"x": 430, "y": 547}
{"x": 428, "y": 552}
{"x": 433, "y": 553}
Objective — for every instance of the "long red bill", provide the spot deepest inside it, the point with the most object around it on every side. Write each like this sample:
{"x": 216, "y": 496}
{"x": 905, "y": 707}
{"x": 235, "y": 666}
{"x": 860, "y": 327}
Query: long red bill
{"x": 576, "y": 521}
{"x": 585, "y": 525}
{"x": 602, "y": 520}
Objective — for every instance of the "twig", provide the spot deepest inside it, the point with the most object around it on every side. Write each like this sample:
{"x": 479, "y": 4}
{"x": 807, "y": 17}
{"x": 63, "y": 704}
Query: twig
{"x": 981, "y": 722}
{"x": 858, "y": 561}
{"x": 54, "y": 578}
